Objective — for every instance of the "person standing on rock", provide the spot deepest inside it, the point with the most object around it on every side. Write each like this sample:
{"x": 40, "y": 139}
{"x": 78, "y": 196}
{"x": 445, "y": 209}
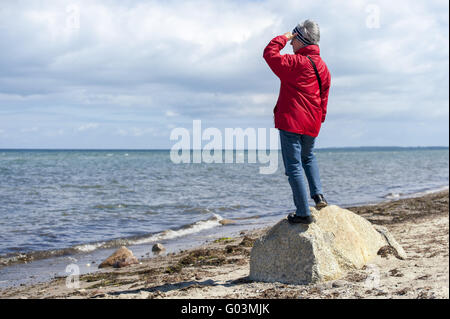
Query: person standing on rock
{"x": 300, "y": 110}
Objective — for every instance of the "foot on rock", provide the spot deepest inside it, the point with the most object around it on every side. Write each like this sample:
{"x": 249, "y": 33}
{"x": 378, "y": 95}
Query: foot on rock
{"x": 320, "y": 201}
{"x": 295, "y": 219}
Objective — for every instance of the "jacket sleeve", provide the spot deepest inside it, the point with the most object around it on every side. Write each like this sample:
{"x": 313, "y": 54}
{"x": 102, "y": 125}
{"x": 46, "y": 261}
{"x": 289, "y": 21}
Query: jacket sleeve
{"x": 324, "y": 96}
{"x": 279, "y": 64}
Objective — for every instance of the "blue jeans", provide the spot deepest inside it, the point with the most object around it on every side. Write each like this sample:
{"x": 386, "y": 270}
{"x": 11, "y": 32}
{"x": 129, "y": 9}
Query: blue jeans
{"x": 297, "y": 151}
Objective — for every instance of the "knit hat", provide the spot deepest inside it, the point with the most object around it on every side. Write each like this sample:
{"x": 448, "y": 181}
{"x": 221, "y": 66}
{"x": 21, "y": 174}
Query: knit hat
{"x": 307, "y": 32}
{"x": 301, "y": 36}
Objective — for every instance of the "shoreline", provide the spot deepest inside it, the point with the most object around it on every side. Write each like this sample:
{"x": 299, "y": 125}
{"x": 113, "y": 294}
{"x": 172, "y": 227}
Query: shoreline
{"x": 133, "y": 241}
{"x": 219, "y": 269}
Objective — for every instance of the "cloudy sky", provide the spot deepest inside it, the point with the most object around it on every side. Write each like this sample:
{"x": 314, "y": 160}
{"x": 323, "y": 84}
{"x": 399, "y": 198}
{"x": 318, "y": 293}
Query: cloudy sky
{"x": 123, "y": 74}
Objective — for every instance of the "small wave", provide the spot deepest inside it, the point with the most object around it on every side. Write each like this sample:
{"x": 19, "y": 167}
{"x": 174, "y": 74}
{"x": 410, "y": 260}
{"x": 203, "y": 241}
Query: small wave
{"x": 193, "y": 228}
{"x": 430, "y": 191}
{"x": 81, "y": 186}
{"x": 423, "y": 192}
{"x": 439, "y": 189}
{"x": 110, "y": 206}
{"x": 188, "y": 229}
{"x": 392, "y": 196}
{"x": 89, "y": 247}
{"x": 231, "y": 207}
{"x": 183, "y": 231}
{"x": 23, "y": 258}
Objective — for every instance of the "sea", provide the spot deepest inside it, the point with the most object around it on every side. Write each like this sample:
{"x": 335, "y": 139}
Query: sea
{"x": 61, "y": 209}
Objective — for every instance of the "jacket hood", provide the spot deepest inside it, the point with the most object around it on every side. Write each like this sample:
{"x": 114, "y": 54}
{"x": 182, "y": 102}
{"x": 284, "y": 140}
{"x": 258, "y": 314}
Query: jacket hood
{"x": 312, "y": 49}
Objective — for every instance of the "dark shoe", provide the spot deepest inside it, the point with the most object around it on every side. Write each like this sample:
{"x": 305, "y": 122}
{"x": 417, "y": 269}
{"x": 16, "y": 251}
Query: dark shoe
{"x": 320, "y": 201}
{"x": 295, "y": 219}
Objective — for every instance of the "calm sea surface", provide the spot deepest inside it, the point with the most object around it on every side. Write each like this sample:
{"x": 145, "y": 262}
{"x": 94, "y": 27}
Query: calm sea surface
{"x": 79, "y": 201}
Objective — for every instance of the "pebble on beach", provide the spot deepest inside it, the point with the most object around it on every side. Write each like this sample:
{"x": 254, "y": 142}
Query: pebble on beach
{"x": 120, "y": 258}
{"x": 227, "y": 222}
{"x": 157, "y": 248}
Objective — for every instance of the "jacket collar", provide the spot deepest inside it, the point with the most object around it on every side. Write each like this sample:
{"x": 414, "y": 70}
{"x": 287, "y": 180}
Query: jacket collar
{"x": 312, "y": 49}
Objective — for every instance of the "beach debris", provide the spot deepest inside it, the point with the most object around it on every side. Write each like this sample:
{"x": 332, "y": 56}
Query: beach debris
{"x": 199, "y": 257}
{"x": 338, "y": 284}
{"x": 158, "y": 248}
{"x": 395, "y": 273}
{"x": 127, "y": 262}
{"x": 122, "y": 257}
{"x": 223, "y": 240}
{"x": 398, "y": 250}
{"x": 338, "y": 241}
{"x": 385, "y": 251}
{"x": 24, "y": 258}
{"x": 247, "y": 241}
{"x": 403, "y": 291}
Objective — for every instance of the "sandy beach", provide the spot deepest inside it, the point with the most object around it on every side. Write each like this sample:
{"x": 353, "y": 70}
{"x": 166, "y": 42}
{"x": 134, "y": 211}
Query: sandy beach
{"x": 219, "y": 269}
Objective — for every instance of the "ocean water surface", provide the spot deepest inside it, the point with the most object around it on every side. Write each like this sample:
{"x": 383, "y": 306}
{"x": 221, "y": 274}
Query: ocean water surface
{"x": 76, "y": 202}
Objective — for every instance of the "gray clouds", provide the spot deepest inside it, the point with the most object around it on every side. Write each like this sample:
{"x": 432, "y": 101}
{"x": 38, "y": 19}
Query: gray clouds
{"x": 132, "y": 65}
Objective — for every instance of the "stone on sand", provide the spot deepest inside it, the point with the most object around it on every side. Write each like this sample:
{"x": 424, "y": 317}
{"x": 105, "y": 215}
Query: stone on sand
{"x": 122, "y": 257}
{"x": 158, "y": 247}
{"x": 338, "y": 241}
{"x": 226, "y": 222}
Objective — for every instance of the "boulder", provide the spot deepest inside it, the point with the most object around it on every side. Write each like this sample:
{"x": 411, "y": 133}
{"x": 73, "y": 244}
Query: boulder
{"x": 120, "y": 258}
{"x": 338, "y": 241}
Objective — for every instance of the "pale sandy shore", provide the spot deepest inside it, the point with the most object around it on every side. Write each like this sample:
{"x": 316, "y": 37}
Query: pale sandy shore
{"x": 220, "y": 269}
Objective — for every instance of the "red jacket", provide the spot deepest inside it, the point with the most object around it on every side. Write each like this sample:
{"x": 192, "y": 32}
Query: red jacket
{"x": 300, "y": 107}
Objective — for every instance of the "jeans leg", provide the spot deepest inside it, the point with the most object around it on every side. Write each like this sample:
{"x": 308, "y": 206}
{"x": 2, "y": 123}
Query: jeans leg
{"x": 309, "y": 163}
{"x": 291, "y": 150}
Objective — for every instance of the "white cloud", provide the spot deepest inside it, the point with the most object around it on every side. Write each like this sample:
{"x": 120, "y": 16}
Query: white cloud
{"x": 54, "y": 133}
{"x": 171, "y": 113}
{"x": 29, "y": 129}
{"x": 135, "y": 131}
{"x": 87, "y": 126}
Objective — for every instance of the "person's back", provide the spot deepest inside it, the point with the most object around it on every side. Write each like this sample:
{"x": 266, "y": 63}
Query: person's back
{"x": 300, "y": 110}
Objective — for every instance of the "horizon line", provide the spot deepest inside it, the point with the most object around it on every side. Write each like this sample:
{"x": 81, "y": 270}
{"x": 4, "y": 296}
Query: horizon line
{"x": 168, "y": 149}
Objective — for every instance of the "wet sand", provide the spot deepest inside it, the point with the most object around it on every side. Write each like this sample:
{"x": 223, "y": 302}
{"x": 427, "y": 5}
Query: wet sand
{"x": 220, "y": 269}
